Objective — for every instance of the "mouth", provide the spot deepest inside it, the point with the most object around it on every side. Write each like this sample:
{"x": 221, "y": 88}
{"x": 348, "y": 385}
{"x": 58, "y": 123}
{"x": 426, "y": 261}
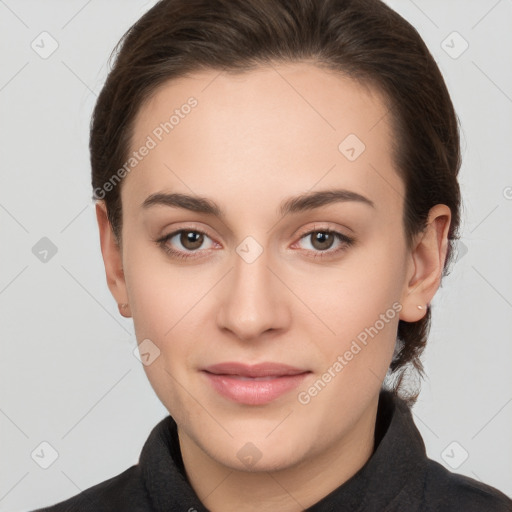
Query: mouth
{"x": 253, "y": 384}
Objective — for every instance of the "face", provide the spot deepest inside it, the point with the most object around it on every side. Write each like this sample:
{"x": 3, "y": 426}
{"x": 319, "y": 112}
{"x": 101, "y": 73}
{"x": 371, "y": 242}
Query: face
{"x": 271, "y": 306}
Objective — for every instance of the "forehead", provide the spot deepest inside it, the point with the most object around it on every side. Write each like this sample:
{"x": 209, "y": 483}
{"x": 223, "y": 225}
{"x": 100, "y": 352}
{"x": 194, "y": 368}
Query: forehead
{"x": 274, "y": 130}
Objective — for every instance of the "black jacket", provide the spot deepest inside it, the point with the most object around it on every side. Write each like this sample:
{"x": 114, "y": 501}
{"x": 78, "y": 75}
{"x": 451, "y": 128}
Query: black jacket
{"x": 397, "y": 477}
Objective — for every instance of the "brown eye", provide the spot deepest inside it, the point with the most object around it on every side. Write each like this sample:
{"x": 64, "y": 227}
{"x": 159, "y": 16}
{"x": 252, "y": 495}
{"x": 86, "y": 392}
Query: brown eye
{"x": 186, "y": 243}
{"x": 322, "y": 240}
{"x": 191, "y": 240}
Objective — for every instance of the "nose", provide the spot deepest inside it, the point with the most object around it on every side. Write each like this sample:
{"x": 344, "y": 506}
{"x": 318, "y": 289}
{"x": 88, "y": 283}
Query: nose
{"x": 254, "y": 301}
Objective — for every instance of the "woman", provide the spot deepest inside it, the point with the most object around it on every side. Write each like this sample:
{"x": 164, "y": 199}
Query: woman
{"x": 277, "y": 200}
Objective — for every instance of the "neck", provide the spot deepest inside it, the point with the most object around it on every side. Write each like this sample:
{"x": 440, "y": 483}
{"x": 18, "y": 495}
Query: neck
{"x": 291, "y": 489}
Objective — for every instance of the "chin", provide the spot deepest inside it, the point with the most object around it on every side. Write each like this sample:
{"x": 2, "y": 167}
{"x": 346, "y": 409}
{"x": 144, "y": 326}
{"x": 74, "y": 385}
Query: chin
{"x": 253, "y": 450}
{"x": 249, "y": 458}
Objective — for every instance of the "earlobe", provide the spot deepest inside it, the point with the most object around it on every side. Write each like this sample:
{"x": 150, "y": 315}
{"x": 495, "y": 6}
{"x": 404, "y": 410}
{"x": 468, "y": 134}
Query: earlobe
{"x": 112, "y": 259}
{"x": 426, "y": 264}
{"x": 124, "y": 310}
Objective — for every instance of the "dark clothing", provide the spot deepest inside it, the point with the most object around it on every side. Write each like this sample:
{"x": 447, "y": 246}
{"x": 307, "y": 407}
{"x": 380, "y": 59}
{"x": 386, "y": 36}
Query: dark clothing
{"x": 397, "y": 477}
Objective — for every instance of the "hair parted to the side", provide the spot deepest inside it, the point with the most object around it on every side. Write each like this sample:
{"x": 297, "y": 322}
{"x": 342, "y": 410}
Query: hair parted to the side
{"x": 362, "y": 39}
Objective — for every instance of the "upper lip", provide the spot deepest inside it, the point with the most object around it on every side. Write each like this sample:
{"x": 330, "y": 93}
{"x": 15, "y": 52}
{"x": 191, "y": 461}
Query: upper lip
{"x": 255, "y": 370}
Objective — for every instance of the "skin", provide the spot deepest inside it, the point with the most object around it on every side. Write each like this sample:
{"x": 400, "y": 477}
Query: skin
{"x": 254, "y": 140}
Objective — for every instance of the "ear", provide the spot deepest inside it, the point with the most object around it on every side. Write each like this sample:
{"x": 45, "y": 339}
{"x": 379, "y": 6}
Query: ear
{"x": 426, "y": 264}
{"x": 112, "y": 258}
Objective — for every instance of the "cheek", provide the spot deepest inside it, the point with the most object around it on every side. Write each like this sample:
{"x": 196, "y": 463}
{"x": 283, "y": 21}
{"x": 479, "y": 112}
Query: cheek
{"x": 162, "y": 295}
{"x": 358, "y": 305}
{"x": 162, "y": 301}
{"x": 356, "y": 291}
{"x": 170, "y": 306}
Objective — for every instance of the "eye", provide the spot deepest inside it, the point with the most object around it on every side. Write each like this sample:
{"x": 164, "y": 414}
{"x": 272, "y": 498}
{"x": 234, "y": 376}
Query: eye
{"x": 322, "y": 240}
{"x": 190, "y": 240}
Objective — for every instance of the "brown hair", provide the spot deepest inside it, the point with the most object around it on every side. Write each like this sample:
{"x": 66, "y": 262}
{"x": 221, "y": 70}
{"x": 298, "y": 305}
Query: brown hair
{"x": 363, "y": 39}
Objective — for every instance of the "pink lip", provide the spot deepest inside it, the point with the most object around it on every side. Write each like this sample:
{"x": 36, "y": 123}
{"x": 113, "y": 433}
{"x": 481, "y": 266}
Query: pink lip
{"x": 253, "y": 384}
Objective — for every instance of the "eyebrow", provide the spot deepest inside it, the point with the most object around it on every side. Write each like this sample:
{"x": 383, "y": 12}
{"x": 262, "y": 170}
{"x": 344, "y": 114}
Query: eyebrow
{"x": 297, "y": 204}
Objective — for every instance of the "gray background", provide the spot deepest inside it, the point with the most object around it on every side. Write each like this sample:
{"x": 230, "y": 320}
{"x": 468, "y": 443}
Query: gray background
{"x": 68, "y": 373}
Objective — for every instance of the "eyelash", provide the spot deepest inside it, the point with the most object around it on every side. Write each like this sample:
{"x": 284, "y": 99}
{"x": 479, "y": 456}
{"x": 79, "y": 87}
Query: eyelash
{"x": 344, "y": 239}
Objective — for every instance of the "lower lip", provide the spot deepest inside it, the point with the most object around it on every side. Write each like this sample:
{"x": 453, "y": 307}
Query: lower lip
{"x": 253, "y": 391}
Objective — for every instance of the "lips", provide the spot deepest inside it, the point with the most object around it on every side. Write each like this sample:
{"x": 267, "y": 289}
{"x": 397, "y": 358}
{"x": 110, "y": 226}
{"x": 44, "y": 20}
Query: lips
{"x": 261, "y": 370}
{"x": 253, "y": 384}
